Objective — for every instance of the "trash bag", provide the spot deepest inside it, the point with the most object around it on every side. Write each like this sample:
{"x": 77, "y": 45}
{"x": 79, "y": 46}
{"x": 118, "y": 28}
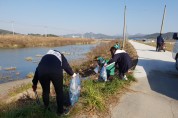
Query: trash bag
{"x": 103, "y": 73}
{"x": 74, "y": 92}
{"x": 96, "y": 69}
{"x": 110, "y": 69}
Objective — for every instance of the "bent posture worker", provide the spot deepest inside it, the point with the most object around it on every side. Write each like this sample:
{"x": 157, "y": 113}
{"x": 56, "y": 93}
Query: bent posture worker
{"x": 122, "y": 61}
{"x": 49, "y": 69}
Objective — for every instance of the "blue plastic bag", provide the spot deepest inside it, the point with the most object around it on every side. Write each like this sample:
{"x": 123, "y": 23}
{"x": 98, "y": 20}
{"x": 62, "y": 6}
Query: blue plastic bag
{"x": 96, "y": 69}
{"x": 75, "y": 86}
{"x": 103, "y": 73}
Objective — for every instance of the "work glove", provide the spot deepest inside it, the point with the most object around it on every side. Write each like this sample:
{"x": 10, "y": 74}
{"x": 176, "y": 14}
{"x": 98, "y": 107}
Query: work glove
{"x": 34, "y": 87}
{"x": 74, "y": 75}
{"x": 105, "y": 64}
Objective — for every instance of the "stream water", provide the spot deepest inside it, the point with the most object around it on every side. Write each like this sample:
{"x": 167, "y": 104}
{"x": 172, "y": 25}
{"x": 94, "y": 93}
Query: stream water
{"x": 19, "y": 67}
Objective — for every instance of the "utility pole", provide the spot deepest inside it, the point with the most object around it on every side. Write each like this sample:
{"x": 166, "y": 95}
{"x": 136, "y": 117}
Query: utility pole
{"x": 163, "y": 20}
{"x": 12, "y": 25}
{"x": 124, "y": 30}
{"x": 45, "y": 27}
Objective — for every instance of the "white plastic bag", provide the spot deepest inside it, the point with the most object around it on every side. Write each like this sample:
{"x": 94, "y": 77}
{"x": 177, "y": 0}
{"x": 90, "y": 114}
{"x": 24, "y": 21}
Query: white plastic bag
{"x": 75, "y": 86}
{"x": 96, "y": 69}
{"x": 103, "y": 73}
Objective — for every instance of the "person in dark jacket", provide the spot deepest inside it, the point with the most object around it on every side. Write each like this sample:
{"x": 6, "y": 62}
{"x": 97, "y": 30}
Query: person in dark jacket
{"x": 122, "y": 61}
{"x": 160, "y": 41}
{"x": 49, "y": 69}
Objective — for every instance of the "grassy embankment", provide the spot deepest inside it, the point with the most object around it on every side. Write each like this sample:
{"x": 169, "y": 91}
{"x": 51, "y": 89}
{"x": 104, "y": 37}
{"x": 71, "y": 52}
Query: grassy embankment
{"x": 22, "y": 41}
{"x": 95, "y": 96}
{"x": 169, "y": 44}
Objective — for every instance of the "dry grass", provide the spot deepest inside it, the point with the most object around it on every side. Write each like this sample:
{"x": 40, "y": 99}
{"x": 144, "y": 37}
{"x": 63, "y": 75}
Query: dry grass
{"x": 10, "y": 68}
{"x": 30, "y": 75}
{"x": 103, "y": 50}
{"x": 19, "y": 89}
{"x": 28, "y": 58}
{"x": 21, "y": 41}
{"x": 169, "y": 44}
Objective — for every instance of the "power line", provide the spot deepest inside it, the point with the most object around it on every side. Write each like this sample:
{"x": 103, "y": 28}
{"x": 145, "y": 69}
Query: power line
{"x": 45, "y": 27}
{"x": 12, "y": 24}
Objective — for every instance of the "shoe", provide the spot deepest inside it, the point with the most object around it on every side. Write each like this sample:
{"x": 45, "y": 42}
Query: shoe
{"x": 66, "y": 111}
{"x": 121, "y": 77}
{"x": 125, "y": 77}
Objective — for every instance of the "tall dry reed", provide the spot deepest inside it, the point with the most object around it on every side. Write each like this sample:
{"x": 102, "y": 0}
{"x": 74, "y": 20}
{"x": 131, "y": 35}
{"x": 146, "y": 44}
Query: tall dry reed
{"x": 21, "y": 41}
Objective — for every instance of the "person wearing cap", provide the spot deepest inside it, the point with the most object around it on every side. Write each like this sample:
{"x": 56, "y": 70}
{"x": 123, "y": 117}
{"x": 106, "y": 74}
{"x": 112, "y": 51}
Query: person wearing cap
{"x": 100, "y": 61}
{"x": 122, "y": 61}
{"x": 117, "y": 45}
{"x": 50, "y": 69}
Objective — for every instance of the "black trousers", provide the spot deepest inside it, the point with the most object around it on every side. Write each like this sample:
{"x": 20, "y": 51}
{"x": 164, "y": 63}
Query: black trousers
{"x": 57, "y": 80}
{"x": 158, "y": 45}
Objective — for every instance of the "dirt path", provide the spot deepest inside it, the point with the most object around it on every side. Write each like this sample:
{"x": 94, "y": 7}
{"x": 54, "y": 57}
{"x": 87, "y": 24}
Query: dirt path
{"x": 155, "y": 95}
{"x": 5, "y": 87}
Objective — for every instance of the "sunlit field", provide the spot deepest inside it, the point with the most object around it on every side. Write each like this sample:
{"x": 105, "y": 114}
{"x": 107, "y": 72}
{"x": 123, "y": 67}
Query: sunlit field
{"x": 22, "y": 41}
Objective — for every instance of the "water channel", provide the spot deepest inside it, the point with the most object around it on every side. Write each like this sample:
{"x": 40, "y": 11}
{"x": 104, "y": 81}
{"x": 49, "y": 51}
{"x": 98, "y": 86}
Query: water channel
{"x": 13, "y": 63}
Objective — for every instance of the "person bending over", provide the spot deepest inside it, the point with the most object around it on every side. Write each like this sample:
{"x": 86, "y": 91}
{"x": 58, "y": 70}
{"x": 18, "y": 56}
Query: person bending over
{"x": 122, "y": 61}
{"x": 50, "y": 69}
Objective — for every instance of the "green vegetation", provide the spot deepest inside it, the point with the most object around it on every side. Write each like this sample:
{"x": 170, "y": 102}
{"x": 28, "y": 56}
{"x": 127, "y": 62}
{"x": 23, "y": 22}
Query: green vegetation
{"x": 19, "y": 89}
{"x": 95, "y": 95}
{"x": 29, "y": 109}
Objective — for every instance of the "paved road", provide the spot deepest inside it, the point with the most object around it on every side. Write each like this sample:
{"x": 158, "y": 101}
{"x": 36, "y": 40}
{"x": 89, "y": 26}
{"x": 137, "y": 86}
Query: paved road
{"x": 155, "y": 95}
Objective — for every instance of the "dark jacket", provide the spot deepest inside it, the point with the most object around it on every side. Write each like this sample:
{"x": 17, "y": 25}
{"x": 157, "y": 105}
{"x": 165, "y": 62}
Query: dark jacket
{"x": 122, "y": 61}
{"x": 160, "y": 39}
{"x": 51, "y": 64}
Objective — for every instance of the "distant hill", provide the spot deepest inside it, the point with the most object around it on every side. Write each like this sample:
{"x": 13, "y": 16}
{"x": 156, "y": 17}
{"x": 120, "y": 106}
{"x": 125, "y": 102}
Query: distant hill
{"x": 91, "y": 35}
{"x": 136, "y": 35}
{"x": 5, "y": 32}
{"x": 165, "y": 35}
{"x": 9, "y": 32}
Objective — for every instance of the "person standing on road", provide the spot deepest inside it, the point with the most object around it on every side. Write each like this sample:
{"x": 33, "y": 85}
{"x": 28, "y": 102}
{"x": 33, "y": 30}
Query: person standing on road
{"x": 122, "y": 61}
{"x": 49, "y": 69}
{"x": 160, "y": 41}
